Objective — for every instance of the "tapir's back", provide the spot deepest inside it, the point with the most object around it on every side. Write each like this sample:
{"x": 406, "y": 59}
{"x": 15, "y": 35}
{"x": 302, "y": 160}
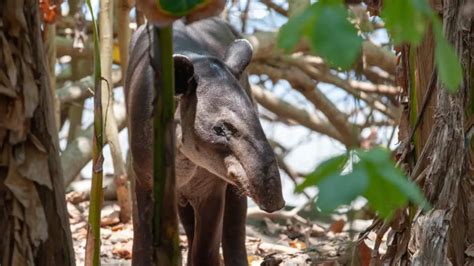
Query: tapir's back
{"x": 205, "y": 37}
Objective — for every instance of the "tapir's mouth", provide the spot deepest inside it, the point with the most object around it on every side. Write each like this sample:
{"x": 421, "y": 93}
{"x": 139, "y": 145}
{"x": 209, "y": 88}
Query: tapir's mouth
{"x": 245, "y": 189}
{"x": 266, "y": 200}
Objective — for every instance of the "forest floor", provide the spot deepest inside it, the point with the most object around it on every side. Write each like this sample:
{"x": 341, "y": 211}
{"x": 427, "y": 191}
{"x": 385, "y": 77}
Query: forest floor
{"x": 284, "y": 238}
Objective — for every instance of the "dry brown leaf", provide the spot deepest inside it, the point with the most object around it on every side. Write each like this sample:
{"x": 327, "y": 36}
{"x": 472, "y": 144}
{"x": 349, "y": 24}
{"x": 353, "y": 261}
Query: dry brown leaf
{"x": 12, "y": 118}
{"x": 254, "y": 260}
{"x": 123, "y": 250}
{"x": 75, "y": 197}
{"x": 25, "y": 192}
{"x": 365, "y": 254}
{"x": 13, "y": 12}
{"x": 12, "y": 70}
{"x": 35, "y": 164}
{"x": 30, "y": 90}
{"x": 8, "y": 90}
{"x": 297, "y": 244}
{"x": 337, "y": 226}
{"x": 110, "y": 215}
{"x": 117, "y": 227}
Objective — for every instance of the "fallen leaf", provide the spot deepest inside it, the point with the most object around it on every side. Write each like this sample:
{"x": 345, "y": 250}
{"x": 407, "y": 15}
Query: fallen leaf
{"x": 297, "y": 244}
{"x": 337, "y": 226}
{"x": 123, "y": 250}
{"x": 365, "y": 254}
{"x": 110, "y": 215}
{"x": 117, "y": 227}
{"x": 254, "y": 260}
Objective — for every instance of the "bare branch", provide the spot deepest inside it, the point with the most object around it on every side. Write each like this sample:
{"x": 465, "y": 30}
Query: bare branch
{"x": 79, "y": 152}
{"x": 264, "y": 44}
{"x": 286, "y": 110}
{"x": 80, "y": 90}
{"x": 280, "y": 10}
{"x": 305, "y": 85}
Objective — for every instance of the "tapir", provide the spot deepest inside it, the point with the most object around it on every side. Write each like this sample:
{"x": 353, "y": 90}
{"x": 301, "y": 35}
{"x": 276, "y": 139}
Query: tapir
{"x": 222, "y": 154}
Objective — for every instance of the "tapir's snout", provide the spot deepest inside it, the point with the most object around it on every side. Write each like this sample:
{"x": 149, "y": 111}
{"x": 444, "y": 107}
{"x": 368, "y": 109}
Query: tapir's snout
{"x": 256, "y": 173}
{"x": 265, "y": 189}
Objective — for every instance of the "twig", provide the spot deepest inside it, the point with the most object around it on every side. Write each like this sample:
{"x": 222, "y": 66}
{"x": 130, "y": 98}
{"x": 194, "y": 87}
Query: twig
{"x": 244, "y": 16}
{"x": 280, "y": 10}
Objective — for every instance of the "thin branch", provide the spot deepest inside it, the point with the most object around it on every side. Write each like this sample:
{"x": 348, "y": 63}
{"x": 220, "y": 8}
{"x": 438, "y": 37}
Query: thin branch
{"x": 306, "y": 86}
{"x": 280, "y": 10}
{"x": 286, "y": 110}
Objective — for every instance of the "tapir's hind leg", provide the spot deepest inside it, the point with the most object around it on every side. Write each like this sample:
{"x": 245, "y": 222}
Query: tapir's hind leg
{"x": 233, "y": 235}
{"x": 186, "y": 215}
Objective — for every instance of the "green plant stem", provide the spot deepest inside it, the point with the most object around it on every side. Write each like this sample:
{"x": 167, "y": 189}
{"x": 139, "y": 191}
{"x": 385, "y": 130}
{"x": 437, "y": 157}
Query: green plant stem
{"x": 165, "y": 221}
{"x": 93, "y": 237}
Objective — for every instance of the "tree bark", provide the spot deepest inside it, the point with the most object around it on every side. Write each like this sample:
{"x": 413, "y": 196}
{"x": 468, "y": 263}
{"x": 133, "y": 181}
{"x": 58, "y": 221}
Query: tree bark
{"x": 441, "y": 159}
{"x": 33, "y": 217}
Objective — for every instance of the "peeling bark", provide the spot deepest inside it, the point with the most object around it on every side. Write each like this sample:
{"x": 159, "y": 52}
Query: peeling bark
{"x": 440, "y": 160}
{"x": 33, "y": 219}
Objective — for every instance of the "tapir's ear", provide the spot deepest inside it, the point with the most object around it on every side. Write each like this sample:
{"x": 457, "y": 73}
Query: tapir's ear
{"x": 238, "y": 56}
{"x": 183, "y": 74}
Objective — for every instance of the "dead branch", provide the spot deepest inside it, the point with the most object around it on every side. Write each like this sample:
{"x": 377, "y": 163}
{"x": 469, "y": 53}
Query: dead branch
{"x": 256, "y": 213}
{"x": 280, "y": 10}
{"x": 79, "y": 152}
{"x": 306, "y": 86}
{"x": 264, "y": 44}
{"x": 111, "y": 131}
{"x": 287, "y": 110}
{"x": 80, "y": 90}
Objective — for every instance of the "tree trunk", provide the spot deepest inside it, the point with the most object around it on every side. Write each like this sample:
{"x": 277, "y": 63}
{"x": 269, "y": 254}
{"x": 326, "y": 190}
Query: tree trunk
{"x": 33, "y": 217}
{"x": 442, "y": 157}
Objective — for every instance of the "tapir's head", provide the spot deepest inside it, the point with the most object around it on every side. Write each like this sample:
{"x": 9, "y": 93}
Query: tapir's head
{"x": 220, "y": 130}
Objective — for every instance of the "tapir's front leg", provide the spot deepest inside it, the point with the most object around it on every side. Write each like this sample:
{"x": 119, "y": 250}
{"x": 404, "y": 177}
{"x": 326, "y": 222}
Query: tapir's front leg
{"x": 233, "y": 235}
{"x": 208, "y": 215}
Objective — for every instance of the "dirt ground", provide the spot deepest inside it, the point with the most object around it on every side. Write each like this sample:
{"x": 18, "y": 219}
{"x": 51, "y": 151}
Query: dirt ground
{"x": 285, "y": 238}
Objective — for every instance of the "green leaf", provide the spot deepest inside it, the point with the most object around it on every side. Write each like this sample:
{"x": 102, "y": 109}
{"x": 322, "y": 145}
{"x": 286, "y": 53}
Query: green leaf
{"x": 291, "y": 33}
{"x": 333, "y": 37}
{"x": 326, "y": 169}
{"x": 337, "y": 190}
{"x": 329, "y": 32}
{"x": 406, "y": 20}
{"x": 388, "y": 188}
{"x": 179, "y": 7}
{"x": 373, "y": 176}
{"x": 447, "y": 62}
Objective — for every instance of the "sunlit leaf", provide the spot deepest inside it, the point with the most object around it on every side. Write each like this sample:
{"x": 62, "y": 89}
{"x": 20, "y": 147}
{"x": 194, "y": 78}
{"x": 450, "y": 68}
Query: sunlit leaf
{"x": 373, "y": 176}
{"x": 329, "y": 32}
{"x": 291, "y": 33}
{"x": 337, "y": 190}
{"x": 405, "y": 20}
{"x": 333, "y": 37}
{"x": 327, "y": 168}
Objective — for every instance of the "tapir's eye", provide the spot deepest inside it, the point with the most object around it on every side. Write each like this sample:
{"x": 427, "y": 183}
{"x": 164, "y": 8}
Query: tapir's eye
{"x": 224, "y": 129}
{"x": 219, "y": 130}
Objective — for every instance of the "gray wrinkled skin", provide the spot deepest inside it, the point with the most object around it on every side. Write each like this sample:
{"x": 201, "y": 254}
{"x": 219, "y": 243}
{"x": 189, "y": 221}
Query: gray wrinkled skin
{"x": 222, "y": 152}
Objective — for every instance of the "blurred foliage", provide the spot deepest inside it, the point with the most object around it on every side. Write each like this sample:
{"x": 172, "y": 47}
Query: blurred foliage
{"x": 372, "y": 175}
{"x": 326, "y": 27}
